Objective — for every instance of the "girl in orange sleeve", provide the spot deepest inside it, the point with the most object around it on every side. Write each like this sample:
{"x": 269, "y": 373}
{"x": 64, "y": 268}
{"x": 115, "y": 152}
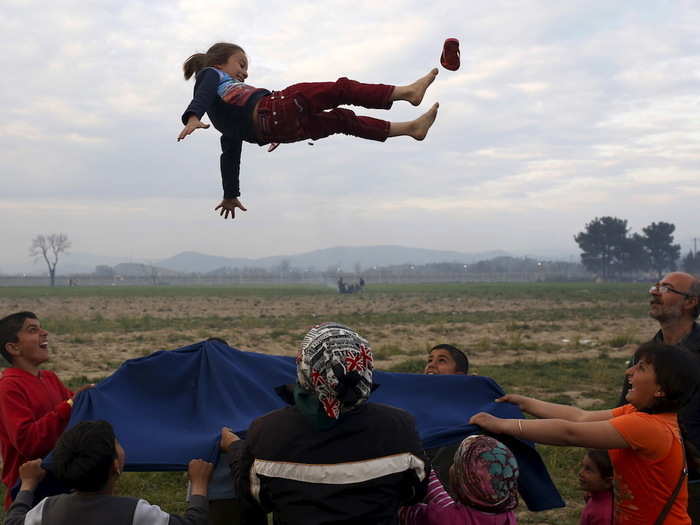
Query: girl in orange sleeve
{"x": 643, "y": 437}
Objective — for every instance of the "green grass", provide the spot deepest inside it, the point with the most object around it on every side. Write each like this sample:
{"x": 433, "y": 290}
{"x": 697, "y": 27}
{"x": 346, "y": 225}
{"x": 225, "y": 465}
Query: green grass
{"x": 290, "y": 323}
{"x": 244, "y": 290}
{"x": 585, "y": 291}
{"x": 622, "y": 339}
{"x": 382, "y": 352}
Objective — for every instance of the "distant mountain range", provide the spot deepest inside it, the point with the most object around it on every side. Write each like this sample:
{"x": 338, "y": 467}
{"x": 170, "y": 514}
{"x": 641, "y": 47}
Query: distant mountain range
{"x": 343, "y": 257}
{"x": 347, "y": 258}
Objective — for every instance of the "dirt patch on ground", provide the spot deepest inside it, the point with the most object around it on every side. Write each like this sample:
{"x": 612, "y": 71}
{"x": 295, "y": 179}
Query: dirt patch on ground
{"x": 94, "y": 352}
{"x": 214, "y": 306}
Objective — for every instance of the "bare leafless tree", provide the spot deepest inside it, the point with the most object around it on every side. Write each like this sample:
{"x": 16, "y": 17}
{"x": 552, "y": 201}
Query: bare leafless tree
{"x": 50, "y": 247}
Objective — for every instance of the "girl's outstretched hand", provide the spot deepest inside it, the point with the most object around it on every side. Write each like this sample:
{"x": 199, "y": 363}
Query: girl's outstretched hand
{"x": 516, "y": 399}
{"x": 192, "y": 123}
{"x": 229, "y": 206}
{"x": 488, "y": 422}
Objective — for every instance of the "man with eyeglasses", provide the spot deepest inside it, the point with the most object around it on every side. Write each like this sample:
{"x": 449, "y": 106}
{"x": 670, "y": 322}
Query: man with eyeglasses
{"x": 675, "y": 304}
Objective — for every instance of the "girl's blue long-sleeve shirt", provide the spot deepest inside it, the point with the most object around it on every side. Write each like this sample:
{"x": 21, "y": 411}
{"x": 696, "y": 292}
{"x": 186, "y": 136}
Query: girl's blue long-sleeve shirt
{"x": 232, "y": 119}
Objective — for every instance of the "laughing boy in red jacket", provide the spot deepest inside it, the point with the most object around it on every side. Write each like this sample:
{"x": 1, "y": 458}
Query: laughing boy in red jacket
{"x": 34, "y": 405}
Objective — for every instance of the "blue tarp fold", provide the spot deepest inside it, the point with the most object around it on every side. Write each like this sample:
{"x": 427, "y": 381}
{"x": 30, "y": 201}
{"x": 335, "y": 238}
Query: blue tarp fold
{"x": 169, "y": 407}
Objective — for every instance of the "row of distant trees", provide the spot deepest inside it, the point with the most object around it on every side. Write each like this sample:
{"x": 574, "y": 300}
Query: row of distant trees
{"x": 609, "y": 250}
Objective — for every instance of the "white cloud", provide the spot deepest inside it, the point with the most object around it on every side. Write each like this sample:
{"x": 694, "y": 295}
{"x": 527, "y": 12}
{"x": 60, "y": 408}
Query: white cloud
{"x": 20, "y": 130}
{"x": 532, "y": 87}
{"x": 48, "y": 108}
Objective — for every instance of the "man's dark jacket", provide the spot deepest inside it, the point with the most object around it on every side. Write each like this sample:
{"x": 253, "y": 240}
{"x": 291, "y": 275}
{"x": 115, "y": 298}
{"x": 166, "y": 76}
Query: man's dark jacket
{"x": 357, "y": 472}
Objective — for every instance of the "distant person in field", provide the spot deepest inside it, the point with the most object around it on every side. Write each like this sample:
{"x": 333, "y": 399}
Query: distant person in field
{"x": 596, "y": 479}
{"x": 241, "y": 112}
{"x": 643, "y": 436}
{"x": 34, "y": 405}
{"x": 89, "y": 459}
{"x": 330, "y": 456}
{"x": 674, "y": 304}
{"x": 484, "y": 481}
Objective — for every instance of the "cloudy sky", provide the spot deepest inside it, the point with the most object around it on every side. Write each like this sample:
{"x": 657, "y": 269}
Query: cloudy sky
{"x": 561, "y": 112}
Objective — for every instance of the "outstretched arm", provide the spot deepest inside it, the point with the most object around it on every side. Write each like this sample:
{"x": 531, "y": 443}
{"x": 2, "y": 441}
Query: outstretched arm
{"x": 436, "y": 496}
{"x": 33, "y": 437}
{"x": 204, "y": 95}
{"x": 230, "y": 169}
{"x": 30, "y": 473}
{"x": 199, "y": 473}
{"x": 21, "y": 507}
{"x": 240, "y": 461}
{"x": 593, "y": 434}
{"x": 546, "y": 410}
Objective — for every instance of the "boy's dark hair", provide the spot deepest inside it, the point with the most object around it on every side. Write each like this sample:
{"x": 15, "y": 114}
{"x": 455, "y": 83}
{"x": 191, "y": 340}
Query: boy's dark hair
{"x": 10, "y": 326}
{"x": 84, "y": 455}
{"x": 459, "y": 357}
{"x": 601, "y": 460}
{"x": 677, "y": 373}
{"x": 217, "y": 54}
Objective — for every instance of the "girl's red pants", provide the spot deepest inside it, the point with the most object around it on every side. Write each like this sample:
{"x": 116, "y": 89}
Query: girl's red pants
{"x": 310, "y": 111}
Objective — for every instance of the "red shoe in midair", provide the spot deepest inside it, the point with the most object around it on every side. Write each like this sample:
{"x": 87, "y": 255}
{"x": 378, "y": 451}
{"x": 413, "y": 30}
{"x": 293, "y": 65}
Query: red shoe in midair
{"x": 450, "y": 54}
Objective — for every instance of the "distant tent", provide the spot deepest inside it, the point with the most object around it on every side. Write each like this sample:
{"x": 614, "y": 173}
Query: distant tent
{"x": 169, "y": 407}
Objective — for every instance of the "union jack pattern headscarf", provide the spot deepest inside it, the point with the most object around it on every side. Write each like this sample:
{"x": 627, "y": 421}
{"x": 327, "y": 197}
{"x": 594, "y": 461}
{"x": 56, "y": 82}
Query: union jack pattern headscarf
{"x": 336, "y": 364}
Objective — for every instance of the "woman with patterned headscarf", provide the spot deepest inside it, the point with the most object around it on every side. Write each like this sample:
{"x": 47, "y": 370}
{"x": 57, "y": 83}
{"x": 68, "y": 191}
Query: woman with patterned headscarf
{"x": 330, "y": 456}
{"x": 484, "y": 480}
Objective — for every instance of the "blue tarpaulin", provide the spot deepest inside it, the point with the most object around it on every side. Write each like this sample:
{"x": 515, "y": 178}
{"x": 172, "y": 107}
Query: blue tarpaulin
{"x": 169, "y": 407}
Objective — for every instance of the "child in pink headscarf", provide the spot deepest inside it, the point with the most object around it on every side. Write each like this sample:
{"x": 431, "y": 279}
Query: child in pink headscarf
{"x": 484, "y": 479}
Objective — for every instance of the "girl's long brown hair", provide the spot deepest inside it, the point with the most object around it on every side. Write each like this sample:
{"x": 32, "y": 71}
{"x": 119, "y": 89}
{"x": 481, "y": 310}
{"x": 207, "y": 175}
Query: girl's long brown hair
{"x": 217, "y": 54}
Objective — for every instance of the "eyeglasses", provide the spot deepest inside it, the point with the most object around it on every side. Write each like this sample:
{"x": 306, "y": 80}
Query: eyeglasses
{"x": 662, "y": 288}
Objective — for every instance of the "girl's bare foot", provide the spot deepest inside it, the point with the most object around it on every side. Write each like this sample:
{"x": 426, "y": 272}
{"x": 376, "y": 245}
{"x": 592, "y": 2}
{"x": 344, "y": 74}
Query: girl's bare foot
{"x": 414, "y": 93}
{"x": 419, "y": 127}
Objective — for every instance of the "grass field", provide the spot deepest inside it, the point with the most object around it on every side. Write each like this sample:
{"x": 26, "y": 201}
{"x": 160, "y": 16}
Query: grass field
{"x": 561, "y": 342}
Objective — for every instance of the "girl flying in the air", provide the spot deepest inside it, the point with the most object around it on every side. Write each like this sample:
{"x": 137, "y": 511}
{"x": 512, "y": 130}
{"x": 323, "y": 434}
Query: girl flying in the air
{"x": 300, "y": 112}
